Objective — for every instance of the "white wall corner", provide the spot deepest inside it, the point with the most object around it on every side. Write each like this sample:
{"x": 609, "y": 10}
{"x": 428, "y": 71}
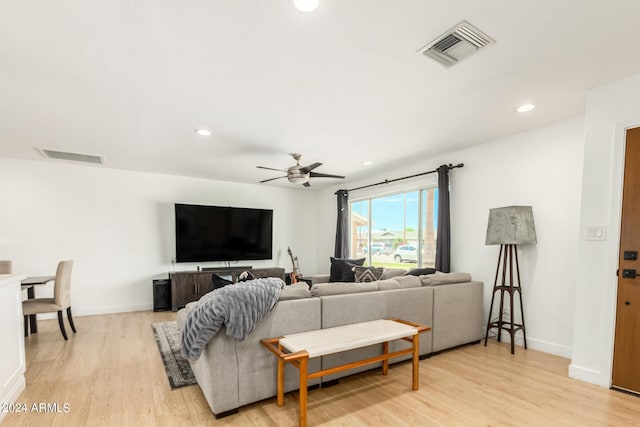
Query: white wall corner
{"x": 611, "y": 109}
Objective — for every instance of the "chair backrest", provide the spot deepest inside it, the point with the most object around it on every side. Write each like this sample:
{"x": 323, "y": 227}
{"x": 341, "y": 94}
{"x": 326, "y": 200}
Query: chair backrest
{"x": 5, "y": 267}
{"x": 62, "y": 286}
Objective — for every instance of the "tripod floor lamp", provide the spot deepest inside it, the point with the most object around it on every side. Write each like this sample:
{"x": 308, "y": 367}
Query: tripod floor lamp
{"x": 509, "y": 227}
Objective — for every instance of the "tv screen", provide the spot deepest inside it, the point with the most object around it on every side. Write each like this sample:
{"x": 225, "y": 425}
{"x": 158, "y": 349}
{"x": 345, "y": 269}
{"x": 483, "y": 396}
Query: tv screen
{"x": 222, "y": 233}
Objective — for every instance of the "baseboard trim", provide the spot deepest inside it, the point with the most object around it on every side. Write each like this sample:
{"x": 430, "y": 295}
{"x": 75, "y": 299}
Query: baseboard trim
{"x": 18, "y": 386}
{"x": 539, "y": 345}
{"x": 588, "y": 375}
{"x": 93, "y": 311}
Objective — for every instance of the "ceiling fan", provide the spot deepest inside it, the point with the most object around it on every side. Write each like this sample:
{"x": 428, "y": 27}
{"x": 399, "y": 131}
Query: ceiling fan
{"x": 299, "y": 174}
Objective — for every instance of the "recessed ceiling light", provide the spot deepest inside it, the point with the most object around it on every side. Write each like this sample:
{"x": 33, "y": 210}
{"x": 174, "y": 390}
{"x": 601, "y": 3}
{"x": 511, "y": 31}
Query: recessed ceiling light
{"x": 203, "y": 132}
{"x": 525, "y": 108}
{"x": 367, "y": 163}
{"x": 305, "y": 5}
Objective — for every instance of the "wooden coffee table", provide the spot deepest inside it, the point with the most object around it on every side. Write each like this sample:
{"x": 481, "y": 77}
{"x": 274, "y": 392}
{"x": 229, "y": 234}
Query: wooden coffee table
{"x": 297, "y": 349}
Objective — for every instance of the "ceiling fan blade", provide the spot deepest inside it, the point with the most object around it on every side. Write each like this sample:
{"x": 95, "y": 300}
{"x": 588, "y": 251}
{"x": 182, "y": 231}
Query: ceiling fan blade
{"x": 271, "y": 179}
{"x": 306, "y": 184}
{"x": 307, "y": 169}
{"x": 324, "y": 175}
{"x": 271, "y": 169}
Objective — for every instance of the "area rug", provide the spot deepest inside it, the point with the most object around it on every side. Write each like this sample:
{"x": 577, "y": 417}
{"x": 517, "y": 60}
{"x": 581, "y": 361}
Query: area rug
{"x": 178, "y": 370}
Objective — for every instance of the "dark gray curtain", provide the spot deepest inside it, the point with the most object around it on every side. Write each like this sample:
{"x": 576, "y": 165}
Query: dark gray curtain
{"x": 443, "y": 242}
{"x": 342, "y": 227}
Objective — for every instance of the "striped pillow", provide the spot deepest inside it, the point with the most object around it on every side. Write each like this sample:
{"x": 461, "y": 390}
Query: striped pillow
{"x": 367, "y": 274}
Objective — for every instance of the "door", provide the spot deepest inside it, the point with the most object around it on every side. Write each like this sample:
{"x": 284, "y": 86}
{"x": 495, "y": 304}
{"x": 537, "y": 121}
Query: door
{"x": 626, "y": 350}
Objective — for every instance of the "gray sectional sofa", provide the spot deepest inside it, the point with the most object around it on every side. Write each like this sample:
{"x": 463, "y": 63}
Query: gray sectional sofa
{"x": 234, "y": 373}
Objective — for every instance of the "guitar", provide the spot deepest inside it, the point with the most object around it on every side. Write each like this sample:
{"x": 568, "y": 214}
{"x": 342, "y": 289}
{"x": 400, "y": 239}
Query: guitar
{"x": 295, "y": 274}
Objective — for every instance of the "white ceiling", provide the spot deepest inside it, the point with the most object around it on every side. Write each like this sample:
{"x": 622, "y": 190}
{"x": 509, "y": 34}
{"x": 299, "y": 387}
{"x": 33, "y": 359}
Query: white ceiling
{"x": 131, "y": 80}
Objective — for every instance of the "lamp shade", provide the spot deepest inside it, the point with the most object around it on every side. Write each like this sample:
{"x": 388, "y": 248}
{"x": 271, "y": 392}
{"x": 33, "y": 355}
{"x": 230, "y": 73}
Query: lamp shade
{"x": 511, "y": 225}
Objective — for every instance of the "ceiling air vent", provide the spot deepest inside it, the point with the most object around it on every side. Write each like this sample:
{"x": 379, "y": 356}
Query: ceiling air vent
{"x": 460, "y": 42}
{"x": 74, "y": 157}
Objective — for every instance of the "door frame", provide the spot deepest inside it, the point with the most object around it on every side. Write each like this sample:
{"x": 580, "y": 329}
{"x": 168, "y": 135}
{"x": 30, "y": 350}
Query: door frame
{"x": 610, "y": 291}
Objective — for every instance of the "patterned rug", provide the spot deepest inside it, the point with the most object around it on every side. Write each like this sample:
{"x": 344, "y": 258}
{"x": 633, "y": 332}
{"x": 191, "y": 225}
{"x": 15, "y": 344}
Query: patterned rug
{"x": 178, "y": 370}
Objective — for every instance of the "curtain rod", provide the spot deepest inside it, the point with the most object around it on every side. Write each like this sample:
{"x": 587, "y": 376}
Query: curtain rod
{"x": 388, "y": 181}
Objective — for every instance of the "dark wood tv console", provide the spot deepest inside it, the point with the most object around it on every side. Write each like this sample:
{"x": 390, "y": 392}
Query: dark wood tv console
{"x": 188, "y": 286}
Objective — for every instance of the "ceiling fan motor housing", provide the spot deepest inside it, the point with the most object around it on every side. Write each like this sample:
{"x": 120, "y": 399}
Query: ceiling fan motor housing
{"x": 296, "y": 176}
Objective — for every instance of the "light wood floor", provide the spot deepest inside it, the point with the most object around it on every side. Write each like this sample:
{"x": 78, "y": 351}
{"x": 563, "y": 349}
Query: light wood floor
{"x": 110, "y": 373}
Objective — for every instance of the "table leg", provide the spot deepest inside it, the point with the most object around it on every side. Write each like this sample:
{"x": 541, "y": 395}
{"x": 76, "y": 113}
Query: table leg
{"x": 385, "y": 363}
{"x": 416, "y": 361}
{"x": 280, "y": 395}
{"x": 33, "y": 322}
{"x": 303, "y": 391}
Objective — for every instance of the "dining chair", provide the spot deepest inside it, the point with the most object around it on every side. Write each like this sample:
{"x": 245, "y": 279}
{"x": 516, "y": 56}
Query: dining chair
{"x": 61, "y": 299}
{"x": 5, "y": 267}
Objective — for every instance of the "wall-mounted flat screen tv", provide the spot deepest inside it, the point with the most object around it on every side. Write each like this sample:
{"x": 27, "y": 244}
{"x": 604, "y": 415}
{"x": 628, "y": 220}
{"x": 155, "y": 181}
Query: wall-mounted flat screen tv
{"x": 222, "y": 233}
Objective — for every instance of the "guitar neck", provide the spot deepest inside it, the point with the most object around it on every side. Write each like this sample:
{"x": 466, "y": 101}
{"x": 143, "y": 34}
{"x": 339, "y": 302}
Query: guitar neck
{"x": 294, "y": 264}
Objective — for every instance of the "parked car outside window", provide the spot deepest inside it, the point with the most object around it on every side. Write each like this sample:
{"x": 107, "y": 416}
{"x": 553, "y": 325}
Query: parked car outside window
{"x": 376, "y": 249}
{"x": 408, "y": 253}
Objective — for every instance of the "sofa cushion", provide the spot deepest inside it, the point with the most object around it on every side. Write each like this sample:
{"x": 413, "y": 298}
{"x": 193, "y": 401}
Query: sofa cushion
{"x": 341, "y": 269}
{"x": 400, "y": 282}
{"x": 439, "y": 278}
{"x": 295, "y": 291}
{"x": 367, "y": 274}
{"x": 324, "y": 289}
{"x": 388, "y": 273}
{"x": 421, "y": 271}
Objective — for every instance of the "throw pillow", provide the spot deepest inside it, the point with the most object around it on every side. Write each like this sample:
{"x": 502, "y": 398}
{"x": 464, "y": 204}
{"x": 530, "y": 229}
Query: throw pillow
{"x": 421, "y": 271}
{"x": 341, "y": 269}
{"x": 219, "y": 281}
{"x": 244, "y": 276}
{"x": 367, "y": 274}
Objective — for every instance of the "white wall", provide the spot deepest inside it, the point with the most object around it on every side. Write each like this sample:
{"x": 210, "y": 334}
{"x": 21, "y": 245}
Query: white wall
{"x": 610, "y": 110}
{"x": 118, "y": 226}
{"x": 541, "y": 168}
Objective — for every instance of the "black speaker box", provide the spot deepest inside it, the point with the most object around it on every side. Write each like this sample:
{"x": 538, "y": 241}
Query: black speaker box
{"x": 161, "y": 295}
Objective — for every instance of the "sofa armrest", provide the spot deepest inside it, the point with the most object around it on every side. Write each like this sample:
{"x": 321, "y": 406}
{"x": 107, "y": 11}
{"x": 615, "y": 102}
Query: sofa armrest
{"x": 319, "y": 278}
{"x": 457, "y": 314}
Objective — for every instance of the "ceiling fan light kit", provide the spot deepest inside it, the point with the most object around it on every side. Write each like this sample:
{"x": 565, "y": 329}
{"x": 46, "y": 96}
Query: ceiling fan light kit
{"x": 298, "y": 174}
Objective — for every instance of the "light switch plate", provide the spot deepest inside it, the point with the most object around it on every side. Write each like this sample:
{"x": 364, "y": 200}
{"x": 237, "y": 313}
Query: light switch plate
{"x": 596, "y": 232}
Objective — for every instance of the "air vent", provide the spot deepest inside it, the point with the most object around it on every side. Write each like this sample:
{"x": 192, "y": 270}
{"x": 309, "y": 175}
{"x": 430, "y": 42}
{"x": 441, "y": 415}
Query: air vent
{"x": 460, "y": 42}
{"x": 74, "y": 157}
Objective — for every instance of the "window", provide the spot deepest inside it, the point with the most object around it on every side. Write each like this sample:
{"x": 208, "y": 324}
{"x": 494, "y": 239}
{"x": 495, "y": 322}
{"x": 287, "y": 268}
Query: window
{"x": 397, "y": 230}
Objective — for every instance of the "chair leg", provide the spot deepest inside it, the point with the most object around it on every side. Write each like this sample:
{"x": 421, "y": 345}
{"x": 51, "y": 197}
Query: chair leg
{"x": 70, "y": 319}
{"x": 61, "y": 323}
{"x": 26, "y": 326}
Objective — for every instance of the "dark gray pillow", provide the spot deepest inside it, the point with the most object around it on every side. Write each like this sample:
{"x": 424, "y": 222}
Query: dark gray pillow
{"x": 341, "y": 269}
{"x": 219, "y": 281}
{"x": 421, "y": 271}
{"x": 367, "y": 274}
